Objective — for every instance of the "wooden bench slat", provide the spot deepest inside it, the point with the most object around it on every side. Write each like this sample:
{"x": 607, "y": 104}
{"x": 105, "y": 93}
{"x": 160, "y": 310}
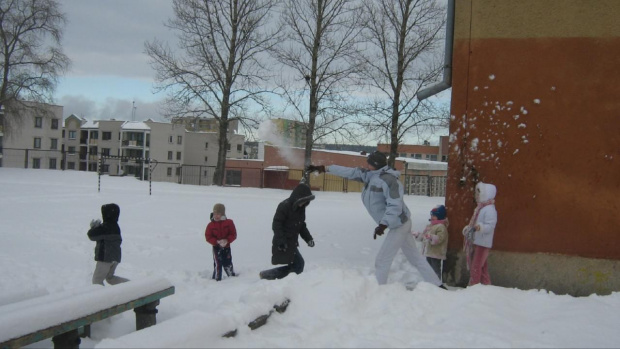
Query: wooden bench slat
{"x": 85, "y": 320}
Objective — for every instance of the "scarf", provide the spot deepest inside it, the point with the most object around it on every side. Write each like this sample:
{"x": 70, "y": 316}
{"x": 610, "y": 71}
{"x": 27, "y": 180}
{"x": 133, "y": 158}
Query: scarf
{"x": 468, "y": 242}
{"x": 435, "y": 222}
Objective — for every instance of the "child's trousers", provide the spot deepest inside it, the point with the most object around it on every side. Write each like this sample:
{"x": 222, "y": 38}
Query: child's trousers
{"x": 222, "y": 259}
{"x": 296, "y": 267}
{"x": 105, "y": 271}
{"x": 479, "y": 269}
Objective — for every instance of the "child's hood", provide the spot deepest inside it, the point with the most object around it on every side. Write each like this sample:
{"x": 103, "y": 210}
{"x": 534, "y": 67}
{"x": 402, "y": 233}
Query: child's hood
{"x": 301, "y": 194}
{"x": 110, "y": 212}
{"x": 487, "y": 191}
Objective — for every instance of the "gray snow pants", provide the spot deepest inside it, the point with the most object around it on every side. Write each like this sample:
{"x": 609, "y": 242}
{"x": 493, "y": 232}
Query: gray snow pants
{"x": 105, "y": 271}
{"x": 401, "y": 238}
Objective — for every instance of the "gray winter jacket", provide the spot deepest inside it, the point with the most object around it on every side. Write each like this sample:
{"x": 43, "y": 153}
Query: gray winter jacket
{"x": 382, "y": 195}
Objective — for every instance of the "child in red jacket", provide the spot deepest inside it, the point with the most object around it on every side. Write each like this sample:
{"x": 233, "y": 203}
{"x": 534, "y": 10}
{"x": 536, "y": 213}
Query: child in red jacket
{"x": 221, "y": 233}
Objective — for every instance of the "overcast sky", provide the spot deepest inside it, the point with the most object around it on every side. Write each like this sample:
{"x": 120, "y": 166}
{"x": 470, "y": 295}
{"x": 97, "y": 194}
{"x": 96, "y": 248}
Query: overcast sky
{"x": 105, "y": 41}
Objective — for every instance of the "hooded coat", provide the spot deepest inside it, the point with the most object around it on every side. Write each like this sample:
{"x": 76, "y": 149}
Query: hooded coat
{"x": 289, "y": 222}
{"x": 107, "y": 235}
{"x": 487, "y": 218}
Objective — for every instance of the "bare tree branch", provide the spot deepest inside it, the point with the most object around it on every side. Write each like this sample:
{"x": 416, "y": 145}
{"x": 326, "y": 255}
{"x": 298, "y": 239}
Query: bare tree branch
{"x": 221, "y": 72}
{"x": 403, "y": 36}
{"x": 31, "y": 55}
{"x": 322, "y": 38}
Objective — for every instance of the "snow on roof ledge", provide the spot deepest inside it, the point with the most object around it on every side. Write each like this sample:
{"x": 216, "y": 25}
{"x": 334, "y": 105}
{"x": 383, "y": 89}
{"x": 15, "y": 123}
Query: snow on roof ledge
{"x": 276, "y": 168}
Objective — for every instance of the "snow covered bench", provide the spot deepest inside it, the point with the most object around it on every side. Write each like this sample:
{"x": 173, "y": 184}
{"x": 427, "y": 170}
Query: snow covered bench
{"x": 61, "y": 315}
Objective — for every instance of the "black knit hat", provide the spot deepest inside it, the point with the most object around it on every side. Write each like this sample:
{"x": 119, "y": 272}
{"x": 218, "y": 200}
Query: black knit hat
{"x": 377, "y": 159}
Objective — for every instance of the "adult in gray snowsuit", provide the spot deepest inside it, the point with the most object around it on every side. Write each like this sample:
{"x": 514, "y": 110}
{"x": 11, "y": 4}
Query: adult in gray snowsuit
{"x": 108, "y": 247}
{"x": 383, "y": 198}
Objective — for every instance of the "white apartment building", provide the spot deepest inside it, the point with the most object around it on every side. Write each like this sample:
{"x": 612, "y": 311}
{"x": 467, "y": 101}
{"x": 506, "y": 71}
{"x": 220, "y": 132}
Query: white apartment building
{"x": 120, "y": 147}
{"x": 35, "y": 141}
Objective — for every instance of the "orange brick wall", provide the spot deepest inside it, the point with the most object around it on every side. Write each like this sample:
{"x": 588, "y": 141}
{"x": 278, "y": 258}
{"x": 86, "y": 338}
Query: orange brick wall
{"x": 536, "y": 111}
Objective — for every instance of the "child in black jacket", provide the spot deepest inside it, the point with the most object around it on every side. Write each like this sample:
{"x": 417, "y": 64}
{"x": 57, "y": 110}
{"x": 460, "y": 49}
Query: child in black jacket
{"x": 108, "y": 247}
{"x": 289, "y": 223}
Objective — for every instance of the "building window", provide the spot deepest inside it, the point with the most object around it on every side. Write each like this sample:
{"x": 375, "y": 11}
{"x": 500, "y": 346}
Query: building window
{"x": 71, "y": 165}
{"x": 228, "y": 147}
{"x": 417, "y": 156}
{"x": 170, "y": 155}
{"x": 233, "y": 177}
{"x": 63, "y": 134}
{"x": 433, "y": 157}
{"x": 170, "y": 139}
{"x": 36, "y": 163}
{"x": 71, "y": 150}
{"x": 54, "y": 124}
{"x": 169, "y": 172}
{"x": 206, "y": 158}
{"x": 105, "y": 151}
{"x": 94, "y": 135}
{"x": 106, "y": 136}
{"x": 37, "y": 143}
{"x": 178, "y": 155}
{"x": 444, "y": 158}
{"x": 207, "y": 145}
{"x": 239, "y": 148}
{"x": 178, "y": 171}
{"x": 179, "y": 139}
{"x": 72, "y": 134}
{"x": 54, "y": 144}
{"x": 52, "y": 164}
{"x": 38, "y": 122}
{"x": 92, "y": 151}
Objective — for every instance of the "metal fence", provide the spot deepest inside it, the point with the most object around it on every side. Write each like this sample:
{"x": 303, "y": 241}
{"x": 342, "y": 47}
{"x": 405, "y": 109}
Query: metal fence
{"x": 174, "y": 172}
{"x": 425, "y": 185}
{"x": 32, "y": 158}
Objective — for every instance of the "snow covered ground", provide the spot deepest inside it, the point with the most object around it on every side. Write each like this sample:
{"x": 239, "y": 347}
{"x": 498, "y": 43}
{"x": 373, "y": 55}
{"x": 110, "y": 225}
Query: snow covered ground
{"x": 336, "y": 302}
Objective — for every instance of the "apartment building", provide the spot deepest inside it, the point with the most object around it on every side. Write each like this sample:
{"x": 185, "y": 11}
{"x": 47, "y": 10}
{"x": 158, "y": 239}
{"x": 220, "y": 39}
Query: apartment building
{"x": 39, "y": 133}
{"x": 293, "y": 132}
{"x": 80, "y": 144}
{"x": 421, "y": 152}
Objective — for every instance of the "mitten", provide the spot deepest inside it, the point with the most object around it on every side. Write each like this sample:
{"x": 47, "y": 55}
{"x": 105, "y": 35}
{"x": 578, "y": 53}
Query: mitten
{"x": 222, "y": 242}
{"x": 379, "y": 230}
{"x": 427, "y": 236}
{"x": 282, "y": 247}
{"x": 95, "y": 223}
{"x": 415, "y": 234}
{"x": 318, "y": 168}
{"x": 311, "y": 243}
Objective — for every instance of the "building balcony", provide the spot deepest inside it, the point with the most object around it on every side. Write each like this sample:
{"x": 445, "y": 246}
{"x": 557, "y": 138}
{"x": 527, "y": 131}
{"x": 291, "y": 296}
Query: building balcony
{"x": 134, "y": 144}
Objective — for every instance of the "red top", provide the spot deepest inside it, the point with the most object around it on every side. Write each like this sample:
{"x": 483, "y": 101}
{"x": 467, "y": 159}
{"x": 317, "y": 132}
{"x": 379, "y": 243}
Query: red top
{"x": 218, "y": 230}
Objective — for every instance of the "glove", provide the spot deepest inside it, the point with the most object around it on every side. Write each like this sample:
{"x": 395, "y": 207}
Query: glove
{"x": 311, "y": 243}
{"x": 95, "y": 223}
{"x": 415, "y": 234}
{"x": 318, "y": 168}
{"x": 222, "y": 242}
{"x": 282, "y": 247}
{"x": 379, "y": 230}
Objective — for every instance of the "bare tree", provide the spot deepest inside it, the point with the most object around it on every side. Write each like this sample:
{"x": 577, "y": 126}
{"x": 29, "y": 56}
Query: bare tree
{"x": 32, "y": 57}
{"x": 220, "y": 73}
{"x": 401, "y": 59}
{"x": 320, "y": 46}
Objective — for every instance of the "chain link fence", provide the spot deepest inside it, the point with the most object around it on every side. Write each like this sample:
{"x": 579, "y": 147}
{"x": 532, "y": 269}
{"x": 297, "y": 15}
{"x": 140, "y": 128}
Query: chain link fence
{"x": 174, "y": 172}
